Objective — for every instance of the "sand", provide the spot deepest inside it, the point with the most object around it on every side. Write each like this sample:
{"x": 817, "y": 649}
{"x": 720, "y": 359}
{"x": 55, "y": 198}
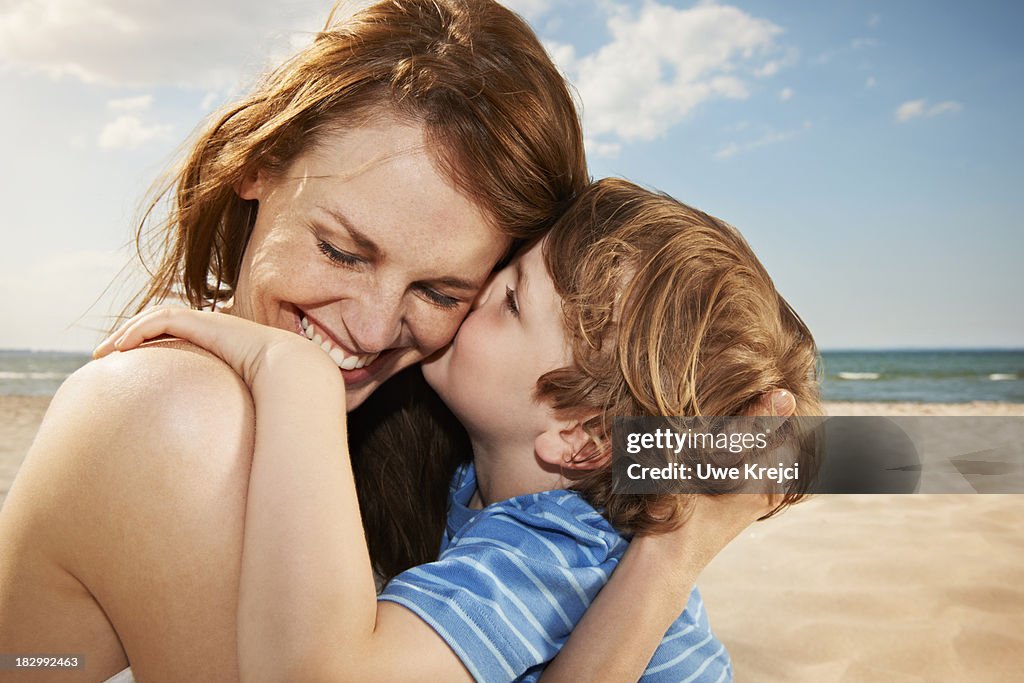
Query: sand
{"x": 19, "y": 419}
{"x": 840, "y": 588}
{"x": 877, "y": 588}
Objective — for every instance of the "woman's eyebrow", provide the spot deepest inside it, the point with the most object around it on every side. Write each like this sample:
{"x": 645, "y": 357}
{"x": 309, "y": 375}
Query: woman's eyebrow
{"x": 456, "y": 283}
{"x": 372, "y": 251}
{"x": 362, "y": 241}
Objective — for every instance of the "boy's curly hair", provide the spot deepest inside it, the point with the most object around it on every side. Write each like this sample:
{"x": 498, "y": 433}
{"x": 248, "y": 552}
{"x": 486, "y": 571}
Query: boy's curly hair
{"x": 668, "y": 312}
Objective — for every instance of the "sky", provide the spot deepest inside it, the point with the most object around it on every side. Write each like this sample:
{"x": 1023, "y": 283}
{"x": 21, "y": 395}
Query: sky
{"x": 869, "y": 151}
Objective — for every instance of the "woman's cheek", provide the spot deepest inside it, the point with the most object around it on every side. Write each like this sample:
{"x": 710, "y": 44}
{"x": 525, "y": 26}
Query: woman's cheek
{"x": 441, "y": 332}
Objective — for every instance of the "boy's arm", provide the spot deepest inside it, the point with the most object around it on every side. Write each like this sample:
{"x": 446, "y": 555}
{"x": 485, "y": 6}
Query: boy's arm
{"x": 308, "y": 608}
{"x": 307, "y": 601}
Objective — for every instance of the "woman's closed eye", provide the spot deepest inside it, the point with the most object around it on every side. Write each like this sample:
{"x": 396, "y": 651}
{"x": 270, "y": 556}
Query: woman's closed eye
{"x": 438, "y": 299}
{"x": 510, "y": 301}
{"x": 342, "y": 258}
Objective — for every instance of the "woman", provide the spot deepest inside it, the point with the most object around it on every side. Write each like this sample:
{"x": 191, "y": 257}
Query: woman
{"x": 371, "y": 184}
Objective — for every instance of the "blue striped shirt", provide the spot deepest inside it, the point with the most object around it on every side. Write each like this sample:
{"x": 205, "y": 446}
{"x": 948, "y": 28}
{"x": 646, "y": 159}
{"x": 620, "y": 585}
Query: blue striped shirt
{"x": 514, "y": 578}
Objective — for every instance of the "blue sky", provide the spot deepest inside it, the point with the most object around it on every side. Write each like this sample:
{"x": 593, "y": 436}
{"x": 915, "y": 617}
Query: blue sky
{"x": 868, "y": 151}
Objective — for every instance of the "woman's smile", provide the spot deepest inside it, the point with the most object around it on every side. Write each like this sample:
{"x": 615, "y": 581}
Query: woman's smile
{"x": 366, "y": 249}
{"x": 345, "y": 358}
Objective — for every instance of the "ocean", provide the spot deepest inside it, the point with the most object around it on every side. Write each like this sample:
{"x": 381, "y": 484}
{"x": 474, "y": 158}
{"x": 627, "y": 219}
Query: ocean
{"x": 36, "y": 373}
{"x": 920, "y": 376}
{"x": 923, "y": 376}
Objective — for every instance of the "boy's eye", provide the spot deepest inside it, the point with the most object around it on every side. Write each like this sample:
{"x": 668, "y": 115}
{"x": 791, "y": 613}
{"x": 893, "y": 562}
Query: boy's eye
{"x": 337, "y": 256}
{"x": 440, "y": 300}
{"x": 510, "y": 301}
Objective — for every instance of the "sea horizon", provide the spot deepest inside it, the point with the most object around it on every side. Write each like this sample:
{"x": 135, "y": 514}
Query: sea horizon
{"x": 918, "y": 375}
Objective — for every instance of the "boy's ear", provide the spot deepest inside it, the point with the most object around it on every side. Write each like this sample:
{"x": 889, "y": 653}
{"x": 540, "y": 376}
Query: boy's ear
{"x": 253, "y": 185}
{"x": 567, "y": 445}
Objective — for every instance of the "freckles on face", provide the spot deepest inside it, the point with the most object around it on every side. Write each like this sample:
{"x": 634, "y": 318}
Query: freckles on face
{"x": 363, "y": 244}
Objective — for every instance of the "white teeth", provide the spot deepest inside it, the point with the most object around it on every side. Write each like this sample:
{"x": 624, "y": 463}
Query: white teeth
{"x": 366, "y": 360}
{"x": 337, "y": 355}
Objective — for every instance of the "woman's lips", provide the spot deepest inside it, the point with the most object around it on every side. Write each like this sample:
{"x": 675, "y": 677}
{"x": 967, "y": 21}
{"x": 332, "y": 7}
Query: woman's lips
{"x": 355, "y": 367}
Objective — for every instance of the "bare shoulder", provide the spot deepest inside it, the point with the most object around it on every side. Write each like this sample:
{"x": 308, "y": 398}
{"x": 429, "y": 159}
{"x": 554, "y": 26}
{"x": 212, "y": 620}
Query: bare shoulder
{"x": 128, "y": 511}
{"x": 166, "y": 390}
{"x": 167, "y": 418}
{"x": 165, "y": 408}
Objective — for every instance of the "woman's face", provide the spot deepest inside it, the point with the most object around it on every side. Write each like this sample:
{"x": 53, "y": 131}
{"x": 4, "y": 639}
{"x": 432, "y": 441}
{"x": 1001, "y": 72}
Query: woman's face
{"x": 364, "y": 247}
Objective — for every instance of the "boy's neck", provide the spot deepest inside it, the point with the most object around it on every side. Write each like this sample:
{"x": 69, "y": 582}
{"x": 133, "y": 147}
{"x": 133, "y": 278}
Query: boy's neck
{"x": 508, "y": 470}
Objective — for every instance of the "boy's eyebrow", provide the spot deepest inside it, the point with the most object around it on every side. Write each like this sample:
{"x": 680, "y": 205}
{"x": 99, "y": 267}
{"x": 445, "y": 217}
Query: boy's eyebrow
{"x": 521, "y": 280}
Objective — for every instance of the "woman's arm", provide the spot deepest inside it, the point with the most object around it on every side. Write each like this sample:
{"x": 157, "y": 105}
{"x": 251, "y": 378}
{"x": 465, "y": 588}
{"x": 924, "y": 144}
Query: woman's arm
{"x": 307, "y": 602}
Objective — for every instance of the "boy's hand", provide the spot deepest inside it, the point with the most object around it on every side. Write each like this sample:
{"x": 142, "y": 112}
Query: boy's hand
{"x": 251, "y": 349}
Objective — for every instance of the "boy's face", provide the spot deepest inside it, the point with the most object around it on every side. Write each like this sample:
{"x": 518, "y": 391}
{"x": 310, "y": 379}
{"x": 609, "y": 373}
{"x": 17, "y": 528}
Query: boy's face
{"x": 514, "y": 334}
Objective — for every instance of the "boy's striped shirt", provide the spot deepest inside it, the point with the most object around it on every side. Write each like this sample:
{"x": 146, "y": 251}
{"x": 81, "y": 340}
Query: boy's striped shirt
{"x": 514, "y": 578}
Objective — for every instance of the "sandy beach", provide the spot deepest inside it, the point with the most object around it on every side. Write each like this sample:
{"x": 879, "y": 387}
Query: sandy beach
{"x": 840, "y": 588}
{"x": 877, "y": 587}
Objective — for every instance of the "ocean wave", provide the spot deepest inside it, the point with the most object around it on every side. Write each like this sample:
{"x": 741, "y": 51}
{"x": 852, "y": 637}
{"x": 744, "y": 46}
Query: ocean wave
{"x": 999, "y": 376}
{"x": 859, "y": 375}
{"x": 33, "y": 375}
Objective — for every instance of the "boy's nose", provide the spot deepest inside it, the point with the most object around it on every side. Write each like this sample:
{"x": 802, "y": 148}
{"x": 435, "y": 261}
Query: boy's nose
{"x": 481, "y": 297}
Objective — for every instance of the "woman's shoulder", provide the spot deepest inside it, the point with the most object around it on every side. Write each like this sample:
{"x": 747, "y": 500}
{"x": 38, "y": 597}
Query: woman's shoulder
{"x": 165, "y": 390}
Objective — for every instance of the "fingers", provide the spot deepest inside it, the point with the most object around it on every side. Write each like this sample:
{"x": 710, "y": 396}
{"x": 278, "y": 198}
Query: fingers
{"x": 172, "y": 320}
{"x": 108, "y": 345}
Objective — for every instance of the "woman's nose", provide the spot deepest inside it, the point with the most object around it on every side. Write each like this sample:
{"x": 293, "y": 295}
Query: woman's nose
{"x": 375, "y": 320}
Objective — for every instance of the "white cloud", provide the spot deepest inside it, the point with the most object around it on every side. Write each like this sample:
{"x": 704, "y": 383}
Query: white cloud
{"x": 773, "y": 67}
{"x": 210, "y": 100}
{"x": 772, "y": 137}
{"x": 913, "y": 109}
{"x": 663, "y": 62}
{"x": 727, "y": 151}
{"x": 786, "y": 94}
{"x": 874, "y": 20}
{"x": 140, "y": 103}
{"x": 76, "y": 287}
{"x": 943, "y": 107}
{"x": 870, "y": 82}
{"x": 144, "y": 42}
{"x": 528, "y": 9}
{"x": 602, "y": 149}
{"x": 129, "y": 132}
{"x": 910, "y": 109}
